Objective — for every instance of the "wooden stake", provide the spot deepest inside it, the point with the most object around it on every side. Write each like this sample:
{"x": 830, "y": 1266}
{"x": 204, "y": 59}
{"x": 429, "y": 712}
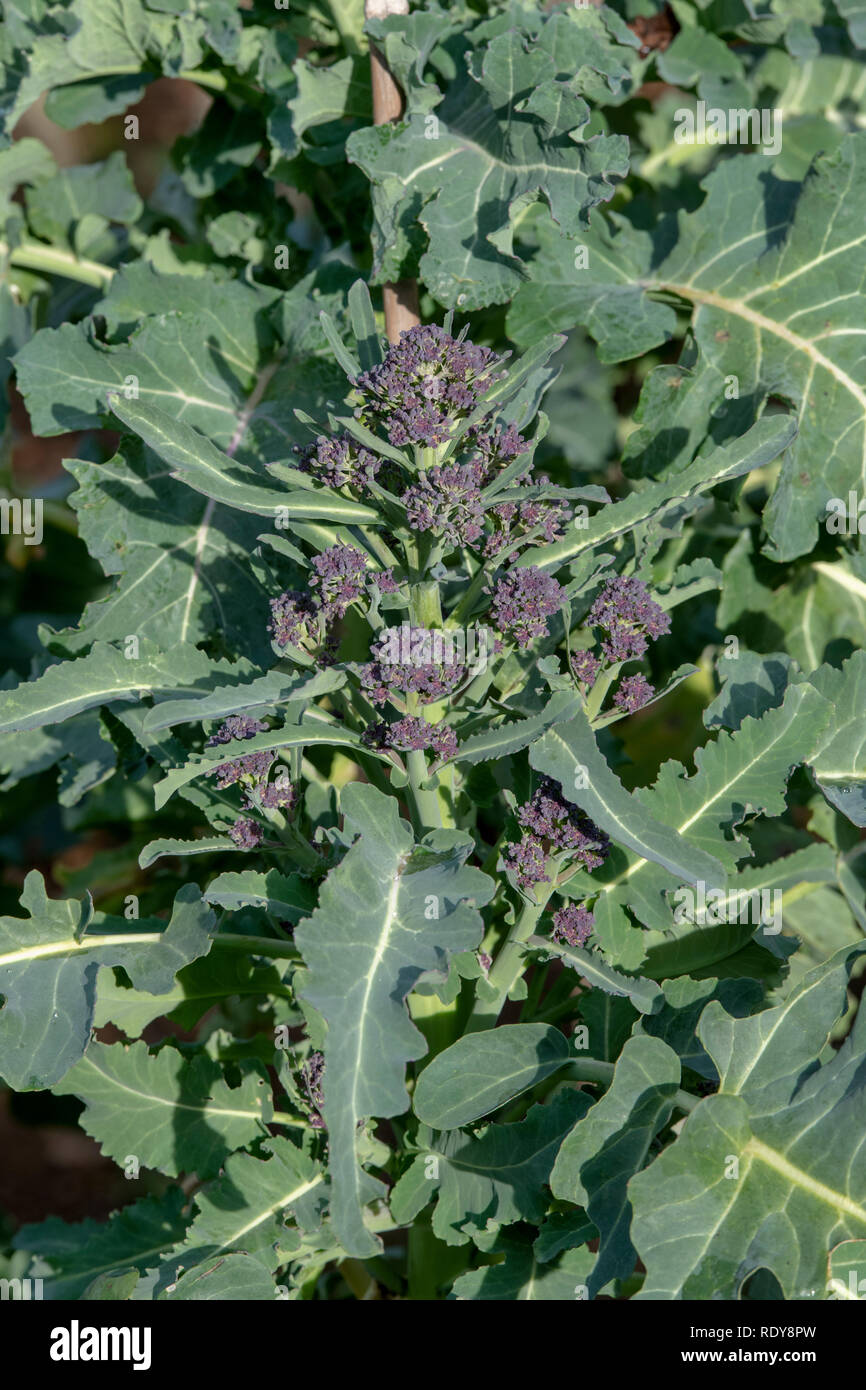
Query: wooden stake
{"x": 401, "y": 296}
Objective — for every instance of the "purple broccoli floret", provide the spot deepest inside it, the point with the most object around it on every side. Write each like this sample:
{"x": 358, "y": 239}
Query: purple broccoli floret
{"x": 402, "y": 661}
{"x": 251, "y": 765}
{"x": 338, "y": 579}
{"x": 425, "y": 383}
{"x": 523, "y": 600}
{"x": 447, "y": 499}
{"x": 415, "y": 733}
{"x": 553, "y": 825}
{"x": 246, "y": 833}
{"x": 293, "y": 618}
{"x": 312, "y": 1076}
{"x": 572, "y": 925}
{"x": 585, "y": 666}
{"x": 628, "y": 614}
{"x": 634, "y": 692}
{"x": 340, "y": 462}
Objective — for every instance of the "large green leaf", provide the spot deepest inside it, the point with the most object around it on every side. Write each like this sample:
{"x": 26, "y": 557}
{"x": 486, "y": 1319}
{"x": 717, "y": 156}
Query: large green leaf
{"x": 771, "y": 1172}
{"x": 388, "y": 913}
{"x": 69, "y": 1256}
{"x": 246, "y": 1209}
{"x": 508, "y": 132}
{"x": 48, "y": 966}
{"x": 104, "y": 675}
{"x": 571, "y": 755}
{"x": 773, "y": 274}
{"x": 840, "y": 763}
{"x": 170, "y": 1112}
{"x": 759, "y": 446}
{"x": 499, "y": 1176}
{"x": 210, "y": 471}
{"x": 482, "y": 1071}
{"x": 735, "y": 772}
{"x": 611, "y": 1143}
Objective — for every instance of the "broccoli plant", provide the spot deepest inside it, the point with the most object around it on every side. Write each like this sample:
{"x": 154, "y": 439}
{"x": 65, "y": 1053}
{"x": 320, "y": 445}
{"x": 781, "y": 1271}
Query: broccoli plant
{"x": 432, "y": 724}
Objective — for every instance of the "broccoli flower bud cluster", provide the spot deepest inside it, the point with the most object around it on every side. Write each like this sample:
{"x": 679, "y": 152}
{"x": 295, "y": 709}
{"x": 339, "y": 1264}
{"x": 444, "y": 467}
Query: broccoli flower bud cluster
{"x": 253, "y": 766}
{"x": 297, "y": 619}
{"x": 552, "y": 825}
{"x": 424, "y": 384}
{"x": 338, "y": 579}
{"x": 523, "y": 600}
{"x": 447, "y": 499}
{"x": 413, "y": 733}
{"x": 627, "y": 614}
{"x": 416, "y": 674}
{"x": 251, "y": 771}
{"x": 572, "y": 925}
{"x": 246, "y": 833}
{"x": 514, "y": 520}
{"x": 312, "y": 1076}
{"x": 340, "y": 462}
{"x": 629, "y": 618}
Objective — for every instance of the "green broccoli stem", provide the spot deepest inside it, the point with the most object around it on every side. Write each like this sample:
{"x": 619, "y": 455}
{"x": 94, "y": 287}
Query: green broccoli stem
{"x": 33, "y": 255}
{"x": 510, "y": 960}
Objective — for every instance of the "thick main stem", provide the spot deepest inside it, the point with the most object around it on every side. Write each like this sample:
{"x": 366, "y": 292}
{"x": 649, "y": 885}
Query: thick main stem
{"x": 510, "y": 962}
{"x": 400, "y": 297}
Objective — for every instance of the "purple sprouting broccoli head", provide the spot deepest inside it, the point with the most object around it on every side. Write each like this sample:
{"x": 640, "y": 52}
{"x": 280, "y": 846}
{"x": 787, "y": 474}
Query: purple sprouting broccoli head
{"x": 552, "y": 825}
{"x": 572, "y": 925}
{"x": 425, "y": 383}
{"x": 293, "y": 619}
{"x": 246, "y": 833}
{"x": 415, "y": 733}
{"x": 312, "y": 1077}
{"x": 407, "y": 659}
{"x": 338, "y": 580}
{"x": 499, "y": 445}
{"x": 252, "y": 766}
{"x": 339, "y": 462}
{"x": 629, "y": 615}
{"x": 514, "y": 523}
{"x": 585, "y": 666}
{"x": 237, "y": 726}
{"x": 562, "y": 826}
{"x": 447, "y": 499}
{"x": 523, "y": 600}
{"x": 634, "y": 692}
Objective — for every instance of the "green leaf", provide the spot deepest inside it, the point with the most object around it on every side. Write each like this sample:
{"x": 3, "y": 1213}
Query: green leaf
{"x": 48, "y": 967}
{"x": 759, "y": 446}
{"x": 99, "y": 678}
{"x": 500, "y": 1176}
{"x": 239, "y": 1278}
{"x": 840, "y": 763}
{"x": 370, "y": 939}
{"x": 523, "y": 1276}
{"x": 181, "y": 561}
{"x": 171, "y": 1112}
{"x": 70, "y": 1256}
{"x": 289, "y": 898}
{"x": 247, "y": 1208}
{"x": 272, "y": 688}
{"x": 645, "y": 994}
{"x": 571, "y": 756}
{"x": 757, "y": 264}
{"x": 199, "y": 986}
{"x": 503, "y": 739}
{"x": 206, "y": 469}
{"x": 482, "y": 1071}
{"x": 511, "y": 133}
{"x": 610, "y": 1144}
{"x": 753, "y": 1175}
{"x": 739, "y": 771}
